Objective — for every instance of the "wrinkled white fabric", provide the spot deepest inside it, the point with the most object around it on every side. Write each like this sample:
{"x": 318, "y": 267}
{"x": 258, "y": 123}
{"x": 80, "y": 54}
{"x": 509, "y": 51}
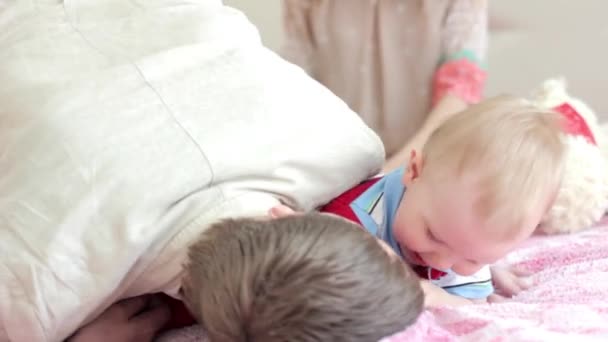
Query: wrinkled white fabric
{"x": 127, "y": 127}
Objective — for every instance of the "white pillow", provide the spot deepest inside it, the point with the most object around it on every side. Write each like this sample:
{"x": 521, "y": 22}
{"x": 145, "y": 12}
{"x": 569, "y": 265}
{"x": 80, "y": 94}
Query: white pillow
{"x": 126, "y": 129}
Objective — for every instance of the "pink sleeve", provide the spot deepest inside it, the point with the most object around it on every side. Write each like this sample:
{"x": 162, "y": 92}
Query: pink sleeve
{"x": 461, "y": 72}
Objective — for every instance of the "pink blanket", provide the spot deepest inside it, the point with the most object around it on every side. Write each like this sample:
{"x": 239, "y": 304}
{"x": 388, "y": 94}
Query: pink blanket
{"x": 568, "y": 301}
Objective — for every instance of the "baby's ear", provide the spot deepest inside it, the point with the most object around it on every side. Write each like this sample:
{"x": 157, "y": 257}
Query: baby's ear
{"x": 413, "y": 169}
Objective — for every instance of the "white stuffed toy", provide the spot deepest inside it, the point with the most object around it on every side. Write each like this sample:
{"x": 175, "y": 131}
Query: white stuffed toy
{"x": 582, "y": 199}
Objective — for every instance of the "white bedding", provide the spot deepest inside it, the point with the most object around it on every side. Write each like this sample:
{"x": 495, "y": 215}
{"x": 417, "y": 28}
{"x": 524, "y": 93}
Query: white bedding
{"x": 126, "y": 128}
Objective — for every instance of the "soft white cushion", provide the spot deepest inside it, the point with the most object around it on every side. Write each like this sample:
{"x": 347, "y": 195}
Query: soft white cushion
{"x": 126, "y": 128}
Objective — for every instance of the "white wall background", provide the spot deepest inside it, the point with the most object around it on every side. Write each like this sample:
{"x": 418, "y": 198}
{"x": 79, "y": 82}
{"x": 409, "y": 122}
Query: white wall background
{"x": 531, "y": 40}
{"x": 552, "y": 37}
{"x": 266, "y": 15}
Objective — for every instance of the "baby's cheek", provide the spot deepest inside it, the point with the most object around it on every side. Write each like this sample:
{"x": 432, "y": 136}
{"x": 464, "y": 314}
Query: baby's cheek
{"x": 409, "y": 231}
{"x": 409, "y": 240}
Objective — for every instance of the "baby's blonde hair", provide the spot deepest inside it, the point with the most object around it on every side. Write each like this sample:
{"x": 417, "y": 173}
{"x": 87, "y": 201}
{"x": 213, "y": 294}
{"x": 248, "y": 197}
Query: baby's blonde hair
{"x": 514, "y": 146}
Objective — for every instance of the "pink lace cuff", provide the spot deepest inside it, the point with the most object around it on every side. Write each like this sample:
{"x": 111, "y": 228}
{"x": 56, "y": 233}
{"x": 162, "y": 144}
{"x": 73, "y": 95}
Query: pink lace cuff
{"x": 462, "y": 78}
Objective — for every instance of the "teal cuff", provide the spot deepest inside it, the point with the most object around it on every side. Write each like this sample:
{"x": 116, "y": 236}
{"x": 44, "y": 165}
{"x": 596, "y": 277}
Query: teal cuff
{"x": 464, "y": 54}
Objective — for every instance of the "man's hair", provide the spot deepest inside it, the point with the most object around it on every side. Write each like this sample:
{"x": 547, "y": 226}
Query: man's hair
{"x": 302, "y": 278}
{"x": 516, "y": 148}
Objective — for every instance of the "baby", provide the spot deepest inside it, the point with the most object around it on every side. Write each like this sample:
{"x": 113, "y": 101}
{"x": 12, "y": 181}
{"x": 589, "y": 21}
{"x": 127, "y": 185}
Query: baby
{"x": 481, "y": 185}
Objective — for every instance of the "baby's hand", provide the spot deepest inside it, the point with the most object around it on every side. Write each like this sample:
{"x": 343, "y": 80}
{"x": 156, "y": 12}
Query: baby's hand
{"x": 508, "y": 281}
{"x": 134, "y": 319}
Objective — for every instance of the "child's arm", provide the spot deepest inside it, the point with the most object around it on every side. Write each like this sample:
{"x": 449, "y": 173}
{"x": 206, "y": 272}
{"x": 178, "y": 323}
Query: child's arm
{"x": 460, "y": 75}
{"x": 435, "y": 296}
{"x": 505, "y": 283}
{"x": 134, "y": 319}
{"x": 461, "y": 71}
{"x": 477, "y": 286}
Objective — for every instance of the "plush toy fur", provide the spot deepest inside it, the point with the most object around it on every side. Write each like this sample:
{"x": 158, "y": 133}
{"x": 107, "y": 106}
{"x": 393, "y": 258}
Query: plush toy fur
{"x": 582, "y": 199}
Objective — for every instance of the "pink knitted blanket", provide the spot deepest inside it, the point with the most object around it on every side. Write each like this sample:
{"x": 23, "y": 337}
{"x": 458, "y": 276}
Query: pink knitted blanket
{"x": 568, "y": 301}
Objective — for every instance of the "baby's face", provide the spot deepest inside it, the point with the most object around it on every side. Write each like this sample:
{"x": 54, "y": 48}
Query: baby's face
{"x": 436, "y": 225}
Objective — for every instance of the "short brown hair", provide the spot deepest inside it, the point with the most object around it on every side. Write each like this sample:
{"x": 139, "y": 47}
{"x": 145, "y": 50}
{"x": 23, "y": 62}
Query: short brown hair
{"x": 302, "y": 278}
